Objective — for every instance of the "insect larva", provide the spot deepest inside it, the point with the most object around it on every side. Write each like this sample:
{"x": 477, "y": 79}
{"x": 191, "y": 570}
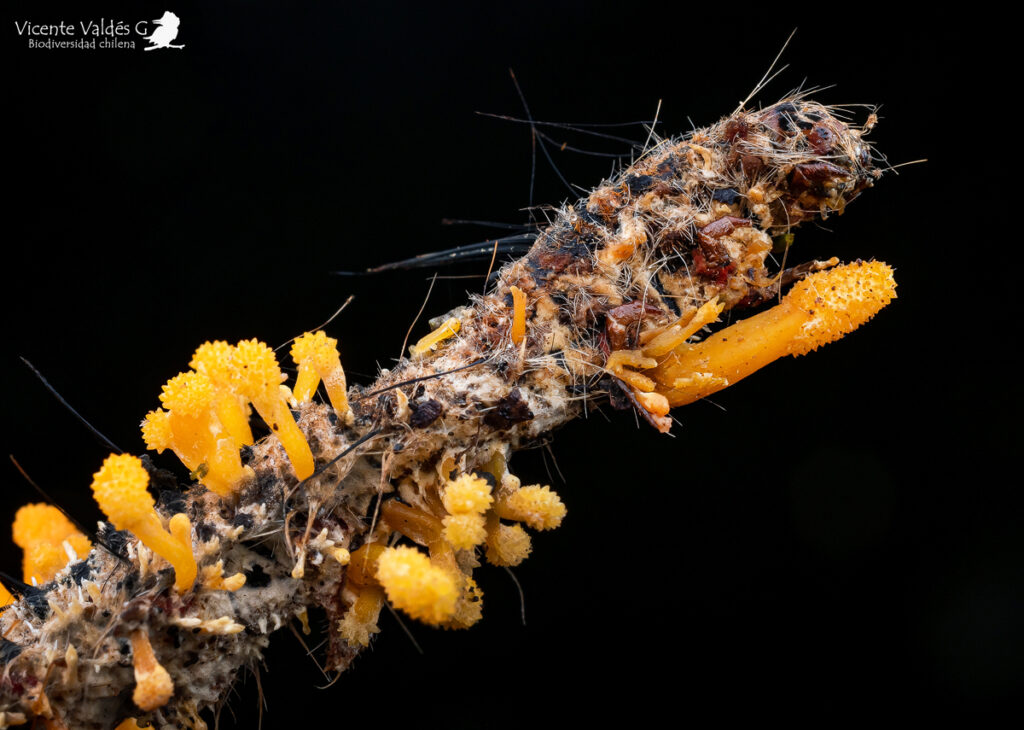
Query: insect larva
{"x": 605, "y": 308}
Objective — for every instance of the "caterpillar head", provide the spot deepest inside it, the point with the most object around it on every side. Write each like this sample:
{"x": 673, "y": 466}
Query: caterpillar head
{"x": 814, "y": 161}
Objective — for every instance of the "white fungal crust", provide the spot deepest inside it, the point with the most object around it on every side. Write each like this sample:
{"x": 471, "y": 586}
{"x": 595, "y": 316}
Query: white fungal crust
{"x": 693, "y": 219}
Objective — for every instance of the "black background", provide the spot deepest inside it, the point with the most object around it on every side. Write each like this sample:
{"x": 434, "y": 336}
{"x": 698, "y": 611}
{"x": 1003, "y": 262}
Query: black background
{"x": 838, "y": 539}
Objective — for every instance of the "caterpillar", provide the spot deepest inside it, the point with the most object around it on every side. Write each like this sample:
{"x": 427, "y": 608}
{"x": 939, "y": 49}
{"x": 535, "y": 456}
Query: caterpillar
{"x": 394, "y": 493}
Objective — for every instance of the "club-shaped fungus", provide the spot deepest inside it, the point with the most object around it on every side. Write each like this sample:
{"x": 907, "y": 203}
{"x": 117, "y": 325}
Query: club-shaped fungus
{"x": 317, "y": 356}
{"x": 153, "y": 684}
{"x": 518, "y": 315}
{"x": 537, "y": 506}
{"x": 818, "y": 310}
{"x": 413, "y": 584}
{"x": 507, "y": 545}
{"x": 41, "y": 531}
{"x": 360, "y": 621}
{"x": 466, "y": 499}
{"x": 429, "y": 343}
{"x": 217, "y": 360}
{"x": 120, "y": 490}
{"x": 260, "y": 381}
{"x": 197, "y": 433}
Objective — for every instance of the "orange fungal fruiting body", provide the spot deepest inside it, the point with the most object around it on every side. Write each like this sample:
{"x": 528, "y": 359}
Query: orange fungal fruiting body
{"x": 466, "y": 499}
{"x": 430, "y": 342}
{"x": 260, "y": 381}
{"x": 518, "y": 315}
{"x": 317, "y": 356}
{"x": 219, "y": 362}
{"x": 413, "y": 584}
{"x": 153, "y": 684}
{"x": 818, "y": 310}
{"x": 537, "y": 506}
{"x": 120, "y": 490}
{"x": 197, "y": 433}
{"x": 41, "y": 530}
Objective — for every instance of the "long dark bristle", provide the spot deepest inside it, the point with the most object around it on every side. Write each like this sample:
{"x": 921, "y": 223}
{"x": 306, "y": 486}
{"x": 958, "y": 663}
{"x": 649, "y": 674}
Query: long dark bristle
{"x": 95, "y": 431}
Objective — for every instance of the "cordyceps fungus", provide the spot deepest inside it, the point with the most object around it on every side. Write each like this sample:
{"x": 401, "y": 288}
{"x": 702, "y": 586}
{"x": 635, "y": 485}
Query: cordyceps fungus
{"x": 818, "y": 310}
{"x": 537, "y": 506}
{"x": 611, "y": 305}
{"x": 120, "y": 490}
{"x": 366, "y": 596}
{"x": 518, "y": 331}
{"x": 666, "y": 370}
{"x": 45, "y": 534}
{"x": 197, "y": 434}
{"x": 466, "y": 500}
{"x": 259, "y": 380}
{"x": 153, "y": 684}
{"x": 318, "y": 359}
{"x": 415, "y": 585}
{"x": 218, "y": 361}
{"x": 424, "y": 528}
{"x": 430, "y": 342}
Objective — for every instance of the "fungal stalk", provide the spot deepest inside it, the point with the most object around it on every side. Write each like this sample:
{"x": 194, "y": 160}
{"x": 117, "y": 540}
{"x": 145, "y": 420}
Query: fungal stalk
{"x": 120, "y": 490}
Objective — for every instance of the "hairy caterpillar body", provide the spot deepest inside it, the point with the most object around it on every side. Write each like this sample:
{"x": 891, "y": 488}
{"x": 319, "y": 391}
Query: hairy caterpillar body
{"x": 603, "y": 307}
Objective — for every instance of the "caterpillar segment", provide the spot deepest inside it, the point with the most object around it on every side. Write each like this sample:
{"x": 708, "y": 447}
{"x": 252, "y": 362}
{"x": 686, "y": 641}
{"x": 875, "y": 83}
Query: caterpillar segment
{"x": 612, "y": 303}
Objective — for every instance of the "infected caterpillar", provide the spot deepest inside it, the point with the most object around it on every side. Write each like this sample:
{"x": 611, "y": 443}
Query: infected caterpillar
{"x": 182, "y": 593}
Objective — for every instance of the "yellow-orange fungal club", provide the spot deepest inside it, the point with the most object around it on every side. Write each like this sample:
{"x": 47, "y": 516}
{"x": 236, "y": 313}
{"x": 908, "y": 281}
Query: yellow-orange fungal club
{"x": 818, "y": 310}
{"x": 468, "y": 494}
{"x": 317, "y": 356}
{"x": 220, "y": 470}
{"x": 6, "y": 599}
{"x": 195, "y": 432}
{"x": 128, "y": 724}
{"x": 40, "y": 522}
{"x": 188, "y": 394}
{"x": 362, "y": 567}
{"x": 153, "y": 685}
{"x": 537, "y": 506}
{"x": 466, "y": 499}
{"x": 360, "y": 622}
{"x": 507, "y": 545}
{"x": 260, "y": 381}
{"x": 157, "y": 435}
{"x": 619, "y": 362}
{"x": 43, "y": 561}
{"x": 518, "y": 315}
{"x": 41, "y": 531}
{"x": 212, "y": 577}
{"x": 464, "y": 531}
{"x": 413, "y": 584}
{"x": 120, "y": 490}
{"x": 430, "y": 342}
{"x": 461, "y": 531}
{"x": 217, "y": 361}
{"x": 678, "y": 333}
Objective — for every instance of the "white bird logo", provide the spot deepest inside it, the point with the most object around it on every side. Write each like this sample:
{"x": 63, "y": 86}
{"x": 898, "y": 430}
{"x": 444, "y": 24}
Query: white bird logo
{"x": 166, "y": 31}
